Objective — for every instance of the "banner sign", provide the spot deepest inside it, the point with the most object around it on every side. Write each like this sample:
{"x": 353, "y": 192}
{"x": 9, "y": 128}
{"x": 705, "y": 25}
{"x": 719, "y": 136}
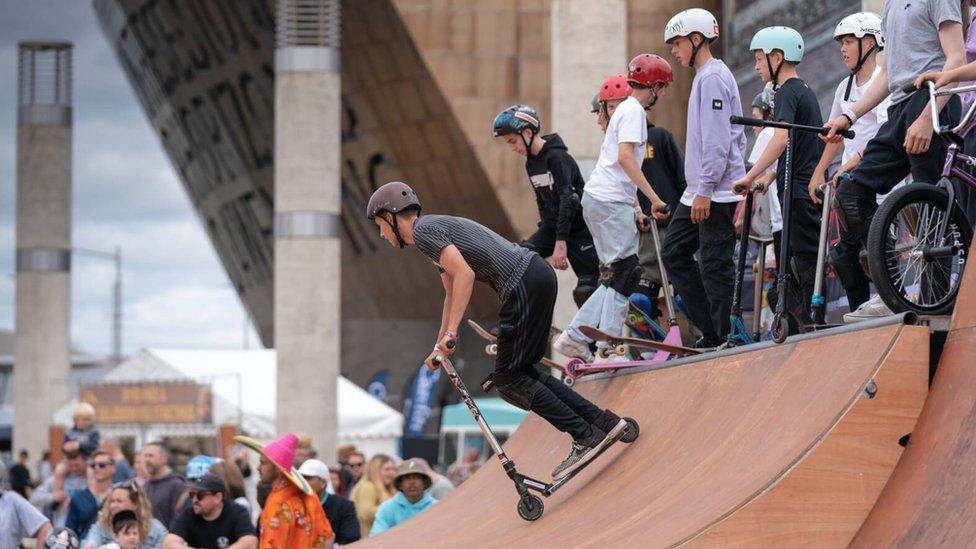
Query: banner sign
{"x": 169, "y": 402}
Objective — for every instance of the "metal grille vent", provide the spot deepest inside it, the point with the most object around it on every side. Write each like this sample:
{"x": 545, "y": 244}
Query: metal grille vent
{"x": 313, "y": 23}
{"x": 44, "y": 74}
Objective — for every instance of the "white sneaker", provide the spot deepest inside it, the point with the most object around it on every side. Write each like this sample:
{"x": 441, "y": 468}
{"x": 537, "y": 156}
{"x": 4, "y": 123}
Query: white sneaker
{"x": 568, "y": 346}
{"x": 872, "y": 308}
{"x": 612, "y": 358}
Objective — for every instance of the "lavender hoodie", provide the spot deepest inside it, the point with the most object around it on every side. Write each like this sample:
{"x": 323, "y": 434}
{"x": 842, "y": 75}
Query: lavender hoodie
{"x": 714, "y": 148}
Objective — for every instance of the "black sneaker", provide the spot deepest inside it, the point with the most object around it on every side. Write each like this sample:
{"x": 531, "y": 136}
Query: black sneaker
{"x": 705, "y": 342}
{"x": 607, "y": 421}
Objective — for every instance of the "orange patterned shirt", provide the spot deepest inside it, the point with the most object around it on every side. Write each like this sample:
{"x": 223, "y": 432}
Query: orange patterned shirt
{"x": 291, "y": 519}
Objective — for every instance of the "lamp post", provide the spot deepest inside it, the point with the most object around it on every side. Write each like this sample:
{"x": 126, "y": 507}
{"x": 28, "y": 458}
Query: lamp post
{"x": 115, "y": 257}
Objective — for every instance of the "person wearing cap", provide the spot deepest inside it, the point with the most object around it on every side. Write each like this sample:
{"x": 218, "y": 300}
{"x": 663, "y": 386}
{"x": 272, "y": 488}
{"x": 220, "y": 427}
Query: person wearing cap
{"x": 212, "y": 522}
{"x": 18, "y": 518}
{"x": 702, "y": 225}
{"x": 291, "y": 515}
{"x": 339, "y": 510}
{"x": 464, "y": 252}
{"x": 412, "y": 482}
{"x": 562, "y": 234}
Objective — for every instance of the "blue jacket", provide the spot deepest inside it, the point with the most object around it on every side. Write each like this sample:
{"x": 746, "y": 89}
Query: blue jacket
{"x": 82, "y": 511}
{"x": 396, "y": 510}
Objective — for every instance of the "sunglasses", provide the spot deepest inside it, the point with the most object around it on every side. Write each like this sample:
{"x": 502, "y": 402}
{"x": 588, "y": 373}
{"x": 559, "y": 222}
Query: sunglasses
{"x": 200, "y": 495}
{"x": 357, "y": 465}
{"x": 100, "y": 464}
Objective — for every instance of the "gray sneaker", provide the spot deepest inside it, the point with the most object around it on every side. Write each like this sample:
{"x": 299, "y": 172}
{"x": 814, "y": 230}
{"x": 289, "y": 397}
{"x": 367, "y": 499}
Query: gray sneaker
{"x": 582, "y": 452}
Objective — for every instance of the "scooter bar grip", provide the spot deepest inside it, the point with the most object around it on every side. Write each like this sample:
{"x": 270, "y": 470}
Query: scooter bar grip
{"x": 744, "y": 121}
{"x": 909, "y": 88}
{"x": 451, "y": 343}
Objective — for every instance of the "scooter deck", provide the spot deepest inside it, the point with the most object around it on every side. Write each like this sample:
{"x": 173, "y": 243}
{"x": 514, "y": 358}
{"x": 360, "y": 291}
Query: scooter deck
{"x": 676, "y": 350}
{"x": 556, "y": 484}
{"x": 577, "y": 368}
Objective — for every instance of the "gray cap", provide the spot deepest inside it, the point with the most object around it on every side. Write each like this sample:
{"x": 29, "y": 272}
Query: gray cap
{"x": 394, "y": 197}
{"x": 413, "y": 466}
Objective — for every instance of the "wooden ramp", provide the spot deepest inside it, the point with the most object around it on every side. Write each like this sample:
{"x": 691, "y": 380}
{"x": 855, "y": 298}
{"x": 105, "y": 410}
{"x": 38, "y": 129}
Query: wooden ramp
{"x": 930, "y": 500}
{"x": 767, "y": 447}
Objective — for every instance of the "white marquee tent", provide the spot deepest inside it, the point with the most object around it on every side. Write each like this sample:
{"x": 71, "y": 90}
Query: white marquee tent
{"x": 244, "y": 386}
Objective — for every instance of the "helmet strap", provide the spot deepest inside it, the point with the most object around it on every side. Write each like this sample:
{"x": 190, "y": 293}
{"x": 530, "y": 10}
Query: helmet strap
{"x": 528, "y": 144}
{"x": 654, "y": 98}
{"x": 774, "y": 74}
{"x": 396, "y": 230}
{"x": 694, "y": 49}
{"x": 862, "y": 57}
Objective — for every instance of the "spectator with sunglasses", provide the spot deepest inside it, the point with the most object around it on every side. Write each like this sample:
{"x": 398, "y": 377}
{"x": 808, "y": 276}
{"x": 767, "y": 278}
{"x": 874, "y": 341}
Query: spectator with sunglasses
{"x": 126, "y": 496}
{"x": 211, "y": 522}
{"x": 356, "y": 466}
{"x": 84, "y": 504}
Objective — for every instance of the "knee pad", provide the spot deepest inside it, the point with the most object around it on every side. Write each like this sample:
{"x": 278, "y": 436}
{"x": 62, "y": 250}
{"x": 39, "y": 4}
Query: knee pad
{"x": 518, "y": 389}
{"x": 626, "y": 274}
{"x": 855, "y": 206}
{"x": 585, "y": 286}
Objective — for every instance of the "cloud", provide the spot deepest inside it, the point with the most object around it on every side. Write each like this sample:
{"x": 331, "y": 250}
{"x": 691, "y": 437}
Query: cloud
{"x": 125, "y": 193}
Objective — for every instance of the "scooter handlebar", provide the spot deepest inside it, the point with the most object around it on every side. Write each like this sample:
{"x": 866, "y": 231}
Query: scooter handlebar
{"x": 746, "y": 121}
{"x": 438, "y": 359}
{"x": 909, "y": 88}
{"x": 756, "y": 187}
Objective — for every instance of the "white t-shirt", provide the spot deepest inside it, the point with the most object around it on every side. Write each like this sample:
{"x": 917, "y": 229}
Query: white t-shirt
{"x": 769, "y": 202}
{"x": 608, "y": 181}
{"x": 866, "y": 126}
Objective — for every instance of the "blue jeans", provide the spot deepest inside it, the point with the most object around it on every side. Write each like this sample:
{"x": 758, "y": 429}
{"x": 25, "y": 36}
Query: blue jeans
{"x": 615, "y": 237}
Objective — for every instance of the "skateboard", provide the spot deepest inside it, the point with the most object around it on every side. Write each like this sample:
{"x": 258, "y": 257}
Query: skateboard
{"x": 491, "y": 349}
{"x": 639, "y": 321}
{"x": 621, "y": 344}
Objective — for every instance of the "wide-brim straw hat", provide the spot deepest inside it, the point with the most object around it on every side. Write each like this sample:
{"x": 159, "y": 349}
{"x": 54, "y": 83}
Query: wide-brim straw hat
{"x": 281, "y": 452}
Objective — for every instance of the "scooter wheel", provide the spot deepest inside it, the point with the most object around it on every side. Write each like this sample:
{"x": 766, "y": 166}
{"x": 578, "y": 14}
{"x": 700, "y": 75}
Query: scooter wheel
{"x": 632, "y": 431}
{"x": 572, "y": 367}
{"x": 781, "y": 328}
{"x": 491, "y": 349}
{"x": 530, "y": 507}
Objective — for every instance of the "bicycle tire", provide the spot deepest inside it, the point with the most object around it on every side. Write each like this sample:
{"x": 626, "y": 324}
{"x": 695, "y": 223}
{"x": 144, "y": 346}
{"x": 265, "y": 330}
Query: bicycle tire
{"x": 914, "y": 195}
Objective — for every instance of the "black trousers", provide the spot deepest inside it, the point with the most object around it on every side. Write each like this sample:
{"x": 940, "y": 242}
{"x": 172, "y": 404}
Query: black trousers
{"x": 706, "y": 284}
{"x": 579, "y": 248}
{"x": 523, "y": 336}
{"x": 886, "y": 162}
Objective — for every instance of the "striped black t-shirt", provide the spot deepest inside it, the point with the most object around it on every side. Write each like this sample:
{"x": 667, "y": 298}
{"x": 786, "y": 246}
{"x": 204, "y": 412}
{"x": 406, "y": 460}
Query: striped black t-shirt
{"x": 494, "y": 260}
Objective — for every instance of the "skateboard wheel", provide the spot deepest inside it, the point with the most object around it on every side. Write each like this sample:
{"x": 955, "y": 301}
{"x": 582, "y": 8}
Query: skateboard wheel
{"x": 620, "y": 350}
{"x": 530, "y": 507}
{"x": 632, "y": 431}
{"x": 632, "y": 319}
{"x": 492, "y": 349}
{"x": 603, "y": 352}
{"x": 569, "y": 381}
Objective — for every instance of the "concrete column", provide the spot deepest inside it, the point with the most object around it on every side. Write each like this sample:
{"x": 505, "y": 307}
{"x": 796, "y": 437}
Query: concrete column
{"x": 307, "y": 207}
{"x": 41, "y": 346}
{"x": 589, "y": 43}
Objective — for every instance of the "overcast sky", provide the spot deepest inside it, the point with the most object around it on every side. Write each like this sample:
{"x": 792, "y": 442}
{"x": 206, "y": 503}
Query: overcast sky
{"x": 125, "y": 193}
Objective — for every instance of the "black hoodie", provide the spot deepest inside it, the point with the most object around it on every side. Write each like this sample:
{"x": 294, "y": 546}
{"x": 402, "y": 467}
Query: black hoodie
{"x": 558, "y": 185}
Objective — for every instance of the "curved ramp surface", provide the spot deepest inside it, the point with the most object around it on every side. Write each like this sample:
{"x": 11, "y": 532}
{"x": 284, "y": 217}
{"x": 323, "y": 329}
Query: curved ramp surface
{"x": 930, "y": 500}
{"x": 716, "y": 434}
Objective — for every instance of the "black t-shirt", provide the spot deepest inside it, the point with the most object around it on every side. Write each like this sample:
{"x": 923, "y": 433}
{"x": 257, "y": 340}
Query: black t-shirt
{"x": 19, "y": 479}
{"x": 232, "y": 524}
{"x": 796, "y": 103}
{"x": 664, "y": 168}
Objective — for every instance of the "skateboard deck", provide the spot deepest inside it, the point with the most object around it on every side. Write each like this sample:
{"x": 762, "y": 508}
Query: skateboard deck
{"x": 618, "y": 341}
{"x": 643, "y": 324}
{"x": 492, "y": 347}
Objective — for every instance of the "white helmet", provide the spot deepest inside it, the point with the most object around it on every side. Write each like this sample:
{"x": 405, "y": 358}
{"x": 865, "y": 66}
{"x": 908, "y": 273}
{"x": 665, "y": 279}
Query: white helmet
{"x": 860, "y": 25}
{"x": 689, "y": 21}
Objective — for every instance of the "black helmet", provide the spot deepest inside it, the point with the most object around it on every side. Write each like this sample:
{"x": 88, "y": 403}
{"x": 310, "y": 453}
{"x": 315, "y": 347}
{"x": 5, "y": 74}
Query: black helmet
{"x": 62, "y": 538}
{"x": 394, "y": 197}
{"x": 515, "y": 119}
{"x": 764, "y": 102}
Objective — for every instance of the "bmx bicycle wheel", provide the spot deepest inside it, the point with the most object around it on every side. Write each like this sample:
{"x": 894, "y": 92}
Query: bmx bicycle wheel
{"x": 530, "y": 507}
{"x": 913, "y": 268}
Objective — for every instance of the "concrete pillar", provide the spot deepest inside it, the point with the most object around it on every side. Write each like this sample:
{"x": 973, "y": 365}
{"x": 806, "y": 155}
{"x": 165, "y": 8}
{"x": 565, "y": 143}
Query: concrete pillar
{"x": 589, "y": 43}
{"x": 307, "y": 200}
{"x": 41, "y": 346}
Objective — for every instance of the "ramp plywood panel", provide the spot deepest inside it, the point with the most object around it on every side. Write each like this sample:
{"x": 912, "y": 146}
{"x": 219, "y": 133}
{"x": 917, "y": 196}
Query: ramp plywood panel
{"x": 714, "y": 435}
{"x": 930, "y": 500}
{"x": 824, "y": 500}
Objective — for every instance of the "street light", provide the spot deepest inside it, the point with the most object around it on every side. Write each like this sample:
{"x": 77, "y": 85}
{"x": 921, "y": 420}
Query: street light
{"x": 116, "y": 296}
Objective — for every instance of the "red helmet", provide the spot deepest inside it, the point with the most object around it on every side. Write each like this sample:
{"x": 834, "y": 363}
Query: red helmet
{"x": 615, "y": 87}
{"x": 648, "y": 69}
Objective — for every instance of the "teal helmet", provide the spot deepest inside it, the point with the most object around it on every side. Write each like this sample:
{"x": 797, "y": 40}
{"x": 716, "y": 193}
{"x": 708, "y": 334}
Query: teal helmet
{"x": 785, "y": 39}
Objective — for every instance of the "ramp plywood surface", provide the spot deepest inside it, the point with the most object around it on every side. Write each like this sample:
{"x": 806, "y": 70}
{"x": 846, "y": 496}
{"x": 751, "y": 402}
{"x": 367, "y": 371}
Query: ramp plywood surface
{"x": 930, "y": 500}
{"x": 715, "y": 435}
